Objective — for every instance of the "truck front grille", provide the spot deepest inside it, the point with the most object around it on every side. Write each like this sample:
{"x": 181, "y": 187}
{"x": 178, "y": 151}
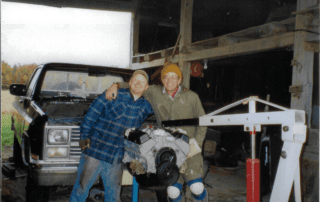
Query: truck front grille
{"x": 75, "y": 151}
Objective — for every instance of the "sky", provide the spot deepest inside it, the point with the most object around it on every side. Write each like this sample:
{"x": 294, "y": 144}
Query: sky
{"x": 42, "y": 34}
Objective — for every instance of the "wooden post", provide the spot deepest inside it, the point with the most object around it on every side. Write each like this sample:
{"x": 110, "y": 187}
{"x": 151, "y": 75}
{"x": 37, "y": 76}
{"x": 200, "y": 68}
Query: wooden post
{"x": 186, "y": 34}
{"x": 303, "y": 61}
{"x": 135, "y": 35}
{"x": 135, "y": 15}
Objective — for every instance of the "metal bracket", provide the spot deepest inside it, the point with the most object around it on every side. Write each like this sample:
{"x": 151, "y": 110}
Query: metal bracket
{"x": 249, "y": 127}
{"x": 295, "y": 90}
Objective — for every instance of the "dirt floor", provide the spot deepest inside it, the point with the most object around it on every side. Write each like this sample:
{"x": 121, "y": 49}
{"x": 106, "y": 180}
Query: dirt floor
{"x": 223, "y": 185}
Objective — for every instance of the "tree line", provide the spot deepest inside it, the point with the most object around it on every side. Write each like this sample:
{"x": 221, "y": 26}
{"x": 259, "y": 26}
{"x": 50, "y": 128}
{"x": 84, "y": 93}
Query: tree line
{"x": 19, "y": 74}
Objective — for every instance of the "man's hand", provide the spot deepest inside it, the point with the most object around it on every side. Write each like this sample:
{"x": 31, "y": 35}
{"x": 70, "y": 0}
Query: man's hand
{"x": 84, "y": 144}
{"x": 194, "y": 148}
{"x": 112, "y": 92}
{"x": 137, "y": 167}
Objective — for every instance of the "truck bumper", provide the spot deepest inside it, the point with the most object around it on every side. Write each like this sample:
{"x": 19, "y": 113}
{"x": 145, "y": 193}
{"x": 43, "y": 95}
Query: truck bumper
{"x": 51, "y": 176}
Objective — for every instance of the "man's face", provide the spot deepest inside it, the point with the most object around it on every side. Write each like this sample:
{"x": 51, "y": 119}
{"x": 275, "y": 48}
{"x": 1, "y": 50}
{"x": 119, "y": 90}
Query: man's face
{"x": 171, "y": 81}
{"x": 138, "y": 84}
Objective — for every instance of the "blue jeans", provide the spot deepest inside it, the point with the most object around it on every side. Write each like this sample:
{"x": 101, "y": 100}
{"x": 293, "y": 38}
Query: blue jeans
{"x": 89, "y": 170}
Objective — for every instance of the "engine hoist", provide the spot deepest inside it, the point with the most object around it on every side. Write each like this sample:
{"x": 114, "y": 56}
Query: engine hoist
{"x": 293, "y": 134}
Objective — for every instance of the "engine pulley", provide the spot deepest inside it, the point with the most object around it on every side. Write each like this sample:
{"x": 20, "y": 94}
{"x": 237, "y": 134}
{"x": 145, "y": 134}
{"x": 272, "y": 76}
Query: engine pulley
{"x": 166, "y": 154}
{"x": 168, "y": 173}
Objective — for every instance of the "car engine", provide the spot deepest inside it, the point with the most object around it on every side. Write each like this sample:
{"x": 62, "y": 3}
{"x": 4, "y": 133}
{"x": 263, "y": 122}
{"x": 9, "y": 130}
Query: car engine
{"x": 161, "y": 151}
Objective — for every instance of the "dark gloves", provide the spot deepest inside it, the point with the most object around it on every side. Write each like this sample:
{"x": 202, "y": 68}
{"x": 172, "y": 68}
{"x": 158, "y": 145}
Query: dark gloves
{"x": 137, "y": 167}
{"x": 84, "y": 144}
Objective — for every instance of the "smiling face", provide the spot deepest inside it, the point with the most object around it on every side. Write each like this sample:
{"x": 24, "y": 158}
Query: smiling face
{"x": 171, "y": 81}
{"x": 138, "y": 84}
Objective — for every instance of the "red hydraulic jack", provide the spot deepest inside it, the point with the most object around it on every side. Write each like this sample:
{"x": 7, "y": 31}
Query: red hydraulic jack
{"x": 253, "y": 172}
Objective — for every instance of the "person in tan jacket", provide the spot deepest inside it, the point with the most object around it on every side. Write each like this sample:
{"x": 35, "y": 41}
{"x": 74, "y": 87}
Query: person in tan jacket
{"x": 170, "y": 102}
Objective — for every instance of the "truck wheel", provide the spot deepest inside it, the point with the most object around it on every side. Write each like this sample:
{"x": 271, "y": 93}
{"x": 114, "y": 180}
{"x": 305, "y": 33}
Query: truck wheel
{"x": 36, "y": 193}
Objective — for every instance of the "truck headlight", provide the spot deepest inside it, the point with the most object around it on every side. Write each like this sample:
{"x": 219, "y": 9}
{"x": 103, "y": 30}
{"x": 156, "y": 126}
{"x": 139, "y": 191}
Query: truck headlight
{"x": 58, "y": 136}
{"x": 57, "y": 152}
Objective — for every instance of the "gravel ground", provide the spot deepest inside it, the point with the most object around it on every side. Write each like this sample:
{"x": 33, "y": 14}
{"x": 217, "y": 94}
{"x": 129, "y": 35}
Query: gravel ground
{"x": 13, "y": 190}
{"x": 6, "y": 153}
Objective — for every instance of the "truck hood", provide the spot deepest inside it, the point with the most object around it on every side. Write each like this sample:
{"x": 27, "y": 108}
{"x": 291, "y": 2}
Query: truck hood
{"x": 65, "y": 121}
{"x": 65, "y": 113}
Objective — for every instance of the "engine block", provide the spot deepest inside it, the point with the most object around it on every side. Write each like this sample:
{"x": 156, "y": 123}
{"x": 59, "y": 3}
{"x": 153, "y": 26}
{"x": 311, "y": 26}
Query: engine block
{"x": 160, "y": 150}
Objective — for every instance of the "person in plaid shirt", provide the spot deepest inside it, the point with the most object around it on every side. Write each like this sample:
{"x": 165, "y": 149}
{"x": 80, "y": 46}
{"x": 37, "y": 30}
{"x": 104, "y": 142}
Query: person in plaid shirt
{"x": 102, "y": 135}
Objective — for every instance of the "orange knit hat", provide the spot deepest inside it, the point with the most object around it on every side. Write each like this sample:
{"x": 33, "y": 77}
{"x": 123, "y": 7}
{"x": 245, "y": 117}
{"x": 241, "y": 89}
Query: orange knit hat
{"x": 170, "y": 67}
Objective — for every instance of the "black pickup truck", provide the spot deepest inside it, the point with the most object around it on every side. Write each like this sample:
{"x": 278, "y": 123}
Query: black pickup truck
{"x": 54, "y": 103}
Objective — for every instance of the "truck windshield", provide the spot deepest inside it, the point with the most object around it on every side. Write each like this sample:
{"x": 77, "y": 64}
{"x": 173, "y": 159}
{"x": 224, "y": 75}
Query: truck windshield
{"x": 75, "y": 84}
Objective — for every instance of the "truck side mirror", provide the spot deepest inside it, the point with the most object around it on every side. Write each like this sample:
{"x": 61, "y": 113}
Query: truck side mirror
{"x": 18, "y": 89}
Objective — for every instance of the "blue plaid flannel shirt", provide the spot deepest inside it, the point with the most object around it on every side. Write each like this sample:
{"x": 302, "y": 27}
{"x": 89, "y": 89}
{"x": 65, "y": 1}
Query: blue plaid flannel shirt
{"x": 106, "y": 121}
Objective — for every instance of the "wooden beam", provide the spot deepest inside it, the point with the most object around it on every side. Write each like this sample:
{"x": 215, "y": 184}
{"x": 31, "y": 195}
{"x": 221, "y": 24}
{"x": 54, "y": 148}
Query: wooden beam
{"x": 144, "y": 65}
{"x": 136, "y": 14}
{"x": 315, "y": 8}
{"x": 208, "y": 43}
{"x": 311, "y": 47}
{"x": 99, "y": 5}
{"x": 274, "y": 28}
{"x": 152, "y": 56}
{"x": 191, "y": 48}
{"x": 242, "y": 48}
{"x": 166, "y": 52}
{"x": 175, "y": 47}
{"x": 228, "y": 40}
{"x": 249, "y": 47}
{"x": 147, "y": 57}
{"x": 186, "y": 34}
{"x": 313, "y": 142}
{"x": 302, "y": 70}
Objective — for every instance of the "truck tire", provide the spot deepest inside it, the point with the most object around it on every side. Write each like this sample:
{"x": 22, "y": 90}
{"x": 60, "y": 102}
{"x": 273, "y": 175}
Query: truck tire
{"x": 36, "y": 193}
{"x": 17, "y": 156}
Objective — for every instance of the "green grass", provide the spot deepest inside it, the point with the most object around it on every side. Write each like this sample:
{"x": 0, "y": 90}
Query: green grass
{"x": 7, "y": 134}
